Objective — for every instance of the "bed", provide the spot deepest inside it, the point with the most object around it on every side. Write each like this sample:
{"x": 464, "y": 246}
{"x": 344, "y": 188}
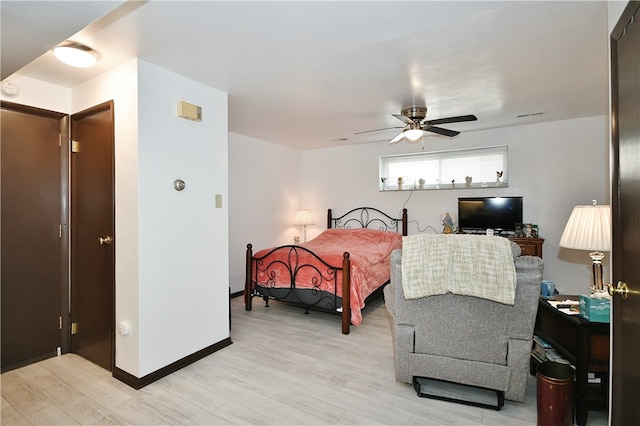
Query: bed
{"x": 339, "y": 271}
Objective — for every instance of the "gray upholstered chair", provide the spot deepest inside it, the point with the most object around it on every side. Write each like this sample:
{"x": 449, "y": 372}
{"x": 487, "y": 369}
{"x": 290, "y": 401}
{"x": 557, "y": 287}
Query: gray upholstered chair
{"x": 464, "y": 339}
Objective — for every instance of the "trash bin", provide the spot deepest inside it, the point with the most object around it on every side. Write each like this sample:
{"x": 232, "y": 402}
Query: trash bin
{"x": 555, "y": 394}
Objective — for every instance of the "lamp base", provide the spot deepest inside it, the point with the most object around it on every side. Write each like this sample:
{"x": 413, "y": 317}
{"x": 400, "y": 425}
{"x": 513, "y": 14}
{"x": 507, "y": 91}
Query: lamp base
{"x": 596, "y": 268}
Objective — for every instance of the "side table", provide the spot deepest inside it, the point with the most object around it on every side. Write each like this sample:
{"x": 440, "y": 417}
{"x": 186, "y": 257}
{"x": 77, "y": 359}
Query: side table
{"x": 584, "y": 344}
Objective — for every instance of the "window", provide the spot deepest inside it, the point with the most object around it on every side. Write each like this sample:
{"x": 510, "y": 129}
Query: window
{"x": 462, "y": 168}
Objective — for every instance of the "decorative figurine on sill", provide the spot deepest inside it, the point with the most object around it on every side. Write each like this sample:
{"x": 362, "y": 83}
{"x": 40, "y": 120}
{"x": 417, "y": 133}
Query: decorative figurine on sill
{"x": 421, "y": 183}
{"x": 468, "y": 180}
{"x": 400, "y": 182}
{"x": 453, "y": 182}
{"x": 384, "y": 183}
{"x": 448, "y": 224}
{"x": 498, "y": 177}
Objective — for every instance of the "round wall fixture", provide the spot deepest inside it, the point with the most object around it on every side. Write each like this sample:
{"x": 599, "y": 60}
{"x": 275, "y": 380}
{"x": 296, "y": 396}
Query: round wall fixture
{"x": 9, "y": 88}
{"x": 179, "y": 184}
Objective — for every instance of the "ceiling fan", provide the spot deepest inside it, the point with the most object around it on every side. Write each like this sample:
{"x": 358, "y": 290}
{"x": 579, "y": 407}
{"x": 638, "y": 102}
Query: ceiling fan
{"x": 416, "y": 124}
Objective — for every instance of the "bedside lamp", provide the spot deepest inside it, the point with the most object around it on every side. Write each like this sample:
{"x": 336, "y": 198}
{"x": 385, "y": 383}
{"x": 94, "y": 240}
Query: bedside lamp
{"x": 303, "y": 217}
{"x": 589, "y": 228}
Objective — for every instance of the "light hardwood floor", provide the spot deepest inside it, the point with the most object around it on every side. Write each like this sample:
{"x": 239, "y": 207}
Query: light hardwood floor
{"x": 284, "y": 367}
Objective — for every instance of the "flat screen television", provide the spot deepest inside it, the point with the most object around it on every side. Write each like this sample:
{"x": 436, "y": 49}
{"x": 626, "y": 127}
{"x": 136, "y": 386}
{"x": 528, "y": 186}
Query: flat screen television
{"x": 482, "y": 213}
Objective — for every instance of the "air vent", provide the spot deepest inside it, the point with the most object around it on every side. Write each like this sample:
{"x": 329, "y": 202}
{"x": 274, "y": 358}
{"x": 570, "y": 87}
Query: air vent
{"x": 530, "y": 114}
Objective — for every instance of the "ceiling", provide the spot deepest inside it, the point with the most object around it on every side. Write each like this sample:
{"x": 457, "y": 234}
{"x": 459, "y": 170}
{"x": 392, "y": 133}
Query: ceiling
{"x": 311, "y": 74}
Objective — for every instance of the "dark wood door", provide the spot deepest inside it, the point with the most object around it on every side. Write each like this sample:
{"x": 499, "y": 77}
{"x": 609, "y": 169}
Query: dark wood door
{"x": 92, "y": 235}
{"x": 34, "y": 285}
{"x": 625, "y": 48}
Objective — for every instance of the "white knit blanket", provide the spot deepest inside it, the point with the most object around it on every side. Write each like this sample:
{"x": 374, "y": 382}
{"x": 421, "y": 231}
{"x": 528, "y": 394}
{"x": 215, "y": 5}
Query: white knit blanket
{"x": 470, "y": 265}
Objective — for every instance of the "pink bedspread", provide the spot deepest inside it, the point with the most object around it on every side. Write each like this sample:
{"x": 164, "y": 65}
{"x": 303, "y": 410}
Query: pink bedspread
{"x": 369, "y": 251}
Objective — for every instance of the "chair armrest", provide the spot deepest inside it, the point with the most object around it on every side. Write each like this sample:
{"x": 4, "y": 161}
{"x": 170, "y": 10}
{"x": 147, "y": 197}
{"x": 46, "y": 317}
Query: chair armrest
{"x": 389, "y": 299}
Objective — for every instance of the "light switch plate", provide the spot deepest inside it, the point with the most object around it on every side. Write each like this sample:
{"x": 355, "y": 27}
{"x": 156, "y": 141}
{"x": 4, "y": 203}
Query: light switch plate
{"x": 218, "y": 201}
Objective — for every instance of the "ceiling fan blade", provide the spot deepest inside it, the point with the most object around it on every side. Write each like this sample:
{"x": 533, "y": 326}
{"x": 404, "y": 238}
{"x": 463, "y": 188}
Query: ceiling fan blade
{"x": 457, "y": 119}
{"x": 398, "y": 138}
{"x": 403, "y": 118}
{"x": 441, "y": 131}
{"x": 377, "y": 130}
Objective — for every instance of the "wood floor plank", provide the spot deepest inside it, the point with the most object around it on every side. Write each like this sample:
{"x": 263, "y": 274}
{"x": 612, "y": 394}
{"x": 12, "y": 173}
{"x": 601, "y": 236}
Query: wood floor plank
{"x": 240, "y": 414}
{"x": 50, "y": 415}
{"x": 11, "y": 416}
{"x": 294, "y": 391}
{"x": 273, "y": 403}
{"x": 100, "y": 416}
{"x": 184, "y": 409}
{"x": 69, "y": 399}
{"x": 21, "y": 395}
{"x": 138, "y": 412}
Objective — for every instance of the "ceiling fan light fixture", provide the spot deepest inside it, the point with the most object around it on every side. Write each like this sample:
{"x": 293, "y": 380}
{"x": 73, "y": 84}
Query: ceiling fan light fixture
{"x": 75, "y": 54}
{"x": 413, "y": 135}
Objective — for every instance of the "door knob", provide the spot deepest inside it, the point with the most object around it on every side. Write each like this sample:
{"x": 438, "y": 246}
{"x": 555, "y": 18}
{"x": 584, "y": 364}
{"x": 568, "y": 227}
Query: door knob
{"x": 106, "y": 240}
{"x": 620, "y": 289}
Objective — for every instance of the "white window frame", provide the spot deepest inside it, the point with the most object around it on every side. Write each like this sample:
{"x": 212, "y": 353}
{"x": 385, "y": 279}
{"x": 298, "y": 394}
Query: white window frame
{"x": 438, "y": 171}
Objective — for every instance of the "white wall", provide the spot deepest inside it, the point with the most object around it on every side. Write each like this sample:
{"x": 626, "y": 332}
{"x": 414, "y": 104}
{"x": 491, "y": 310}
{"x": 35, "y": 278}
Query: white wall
{"x": 39, "y": 94}
{"x": 264, "y": 194}
{"x": 554, "y": 166}
{"x": 172, "y": 277}
{"x": 183, "y": 237}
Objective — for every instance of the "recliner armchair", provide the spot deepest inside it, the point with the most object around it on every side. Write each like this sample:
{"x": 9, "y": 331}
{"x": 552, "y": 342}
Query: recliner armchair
{"x": 464, "y": 339}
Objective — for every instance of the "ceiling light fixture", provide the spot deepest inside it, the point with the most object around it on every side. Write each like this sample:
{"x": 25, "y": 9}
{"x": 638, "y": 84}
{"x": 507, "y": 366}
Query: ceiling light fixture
{"x": 413, "y": 134}
{"x": 76, "y": 54}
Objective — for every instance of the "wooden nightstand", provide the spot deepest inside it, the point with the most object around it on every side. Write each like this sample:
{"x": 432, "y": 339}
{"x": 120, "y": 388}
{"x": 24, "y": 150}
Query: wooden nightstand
{"x": 585, "y": 345}
{"x": 529, "y": 246}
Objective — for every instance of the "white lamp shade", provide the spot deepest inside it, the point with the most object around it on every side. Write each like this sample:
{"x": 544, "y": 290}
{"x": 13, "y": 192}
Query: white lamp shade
{"x": 303, "y": 217}
{"x": 588, "y": 228}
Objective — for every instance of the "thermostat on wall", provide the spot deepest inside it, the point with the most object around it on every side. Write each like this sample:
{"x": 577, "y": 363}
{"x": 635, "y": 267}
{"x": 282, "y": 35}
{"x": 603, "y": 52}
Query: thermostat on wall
{"x": 189, "y": 111}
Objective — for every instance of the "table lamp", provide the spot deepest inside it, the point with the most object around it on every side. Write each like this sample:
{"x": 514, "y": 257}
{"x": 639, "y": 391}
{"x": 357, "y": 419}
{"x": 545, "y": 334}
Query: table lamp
{"x": 303, "y": 217}
{"x": 589, "y": 228}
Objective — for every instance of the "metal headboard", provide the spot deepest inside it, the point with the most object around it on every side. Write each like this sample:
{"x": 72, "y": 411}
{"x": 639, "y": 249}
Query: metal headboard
{"x": 368, "y": 217}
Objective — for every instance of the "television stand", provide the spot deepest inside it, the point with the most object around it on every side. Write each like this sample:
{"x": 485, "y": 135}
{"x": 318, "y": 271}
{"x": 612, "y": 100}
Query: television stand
{"x": 528, "y": 246}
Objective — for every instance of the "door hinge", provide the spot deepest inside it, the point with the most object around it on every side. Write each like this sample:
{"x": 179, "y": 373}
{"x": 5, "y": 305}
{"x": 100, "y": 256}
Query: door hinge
{"x": 74, "y": 328}
{"x": 59, "y": 231}
{"x": 60, "y": 140}
{"x": 60, "y": 322}
{"x": 75, "y": 146}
